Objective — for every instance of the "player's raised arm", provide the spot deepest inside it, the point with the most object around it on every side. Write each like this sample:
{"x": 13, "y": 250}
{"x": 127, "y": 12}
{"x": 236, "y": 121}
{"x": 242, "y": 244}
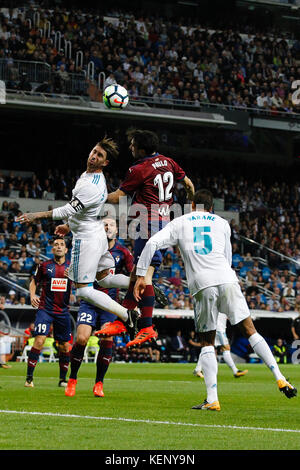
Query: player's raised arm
{"x": 189, "y": 187}
{"x": 29, "y": 217}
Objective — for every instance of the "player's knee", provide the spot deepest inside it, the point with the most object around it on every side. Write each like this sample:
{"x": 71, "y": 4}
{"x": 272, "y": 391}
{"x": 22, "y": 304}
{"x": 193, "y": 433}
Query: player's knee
{"x": 105, "y": 280}
{"x": 82, "y": 338}
{"x": 247, "y": 327}
{"x": 85, "y": 292}
{"x": 39, "y": 342}
{"x": 63, "y": 346}
{"x": 207, "y": 338}
{"x": 101, "y": 275}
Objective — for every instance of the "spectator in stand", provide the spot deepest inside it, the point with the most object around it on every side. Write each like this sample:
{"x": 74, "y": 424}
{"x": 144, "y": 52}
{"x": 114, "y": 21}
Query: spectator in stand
{"x": 280, "y": 352}
{"x": 288, "y": 291}
{"x": 179, "y": 344}
{"x": 194, "y": 347}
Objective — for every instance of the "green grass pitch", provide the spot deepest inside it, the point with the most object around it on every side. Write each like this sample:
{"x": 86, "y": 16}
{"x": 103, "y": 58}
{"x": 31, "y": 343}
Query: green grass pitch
{"x": 147, "y": 407}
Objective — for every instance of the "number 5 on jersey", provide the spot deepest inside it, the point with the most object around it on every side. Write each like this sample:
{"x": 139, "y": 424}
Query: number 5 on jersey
{"x": 202, "y": 240}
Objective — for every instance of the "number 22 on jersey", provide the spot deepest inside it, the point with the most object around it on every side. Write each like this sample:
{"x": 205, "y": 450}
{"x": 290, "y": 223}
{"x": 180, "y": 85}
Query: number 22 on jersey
{"x": 202, "y": 240}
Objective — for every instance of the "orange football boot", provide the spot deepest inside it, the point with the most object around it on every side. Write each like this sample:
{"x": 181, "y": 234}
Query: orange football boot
{"x": 112, "y": 329}
{"x": 98, "y": 389}
{"x": 145, "y": 334}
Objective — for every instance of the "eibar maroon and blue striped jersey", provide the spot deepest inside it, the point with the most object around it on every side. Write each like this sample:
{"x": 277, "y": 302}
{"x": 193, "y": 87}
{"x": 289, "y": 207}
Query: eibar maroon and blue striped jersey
{"x": 123, "y": 264}
{"x": 56, "y": 288}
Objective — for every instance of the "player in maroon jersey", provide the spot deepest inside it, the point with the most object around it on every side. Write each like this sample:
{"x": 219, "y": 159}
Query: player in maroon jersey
{"x": 150, "y": 182}
{"x": 53, "y": 310}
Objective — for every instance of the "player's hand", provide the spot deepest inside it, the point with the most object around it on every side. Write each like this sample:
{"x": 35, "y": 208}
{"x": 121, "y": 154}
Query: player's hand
{"x": 62, "y": 230}
{"x": 26, "y": 218}
{"x": 139, "y": 288}
{"x": 35, "y": 301}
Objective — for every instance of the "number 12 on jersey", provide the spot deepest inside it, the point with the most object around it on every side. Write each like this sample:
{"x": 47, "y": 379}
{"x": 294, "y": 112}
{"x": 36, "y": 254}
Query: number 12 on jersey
{"x": 202, "y": 240}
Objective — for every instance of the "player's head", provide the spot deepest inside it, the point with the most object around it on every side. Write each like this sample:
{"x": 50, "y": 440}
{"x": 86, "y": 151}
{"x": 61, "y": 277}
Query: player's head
{"x": 142, "y": 143}
{"x": 111, "y": 228}
{"x": 59, "y": 248}
{"x": 101, "y": 154}
{"x": 203, "y": 198}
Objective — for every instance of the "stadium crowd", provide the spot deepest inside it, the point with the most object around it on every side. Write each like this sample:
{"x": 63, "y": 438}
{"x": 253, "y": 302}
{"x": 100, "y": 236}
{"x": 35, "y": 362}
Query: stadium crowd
{"x": 156, "y": 58}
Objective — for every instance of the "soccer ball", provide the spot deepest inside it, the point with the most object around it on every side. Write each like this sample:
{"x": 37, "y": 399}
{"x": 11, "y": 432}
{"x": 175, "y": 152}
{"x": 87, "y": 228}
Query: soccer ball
{"x": 115, "y": 97}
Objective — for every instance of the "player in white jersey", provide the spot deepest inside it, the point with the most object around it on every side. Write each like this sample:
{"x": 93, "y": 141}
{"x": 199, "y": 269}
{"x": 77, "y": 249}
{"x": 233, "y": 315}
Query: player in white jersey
{"x": 204, "y": 242}
{"x": 222, "y": 342}
{"x": 89, "y": 246}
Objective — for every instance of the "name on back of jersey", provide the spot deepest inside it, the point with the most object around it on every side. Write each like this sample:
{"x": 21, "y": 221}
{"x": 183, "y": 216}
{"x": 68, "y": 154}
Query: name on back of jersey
{"x": 159, "y": 163}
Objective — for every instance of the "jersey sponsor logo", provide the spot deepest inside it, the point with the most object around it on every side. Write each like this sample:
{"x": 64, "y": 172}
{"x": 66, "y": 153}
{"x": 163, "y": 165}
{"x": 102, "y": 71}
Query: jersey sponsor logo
{"x": 59, "y": 284}
{"x": 76, "y": 204}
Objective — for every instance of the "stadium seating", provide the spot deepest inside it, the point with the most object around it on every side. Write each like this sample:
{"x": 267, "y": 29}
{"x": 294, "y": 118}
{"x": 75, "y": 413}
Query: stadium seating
{"x": 224, "y": 67}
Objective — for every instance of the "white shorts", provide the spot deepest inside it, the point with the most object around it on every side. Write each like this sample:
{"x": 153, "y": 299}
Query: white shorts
{"x": 87, "y": 258}
{"x": 225, "y": 298}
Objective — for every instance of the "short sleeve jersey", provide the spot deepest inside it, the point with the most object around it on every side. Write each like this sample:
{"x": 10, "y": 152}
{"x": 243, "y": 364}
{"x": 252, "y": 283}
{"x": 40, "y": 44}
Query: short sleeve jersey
{"x": 151, "y": 182}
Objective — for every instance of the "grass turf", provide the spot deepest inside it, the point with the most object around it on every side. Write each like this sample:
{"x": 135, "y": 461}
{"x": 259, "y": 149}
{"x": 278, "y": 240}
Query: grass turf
{"x": 147, "y": 407}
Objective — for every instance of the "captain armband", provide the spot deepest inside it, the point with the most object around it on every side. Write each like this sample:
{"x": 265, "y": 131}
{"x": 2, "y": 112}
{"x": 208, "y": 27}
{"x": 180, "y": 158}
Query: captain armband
{"x": 76, "y": 204}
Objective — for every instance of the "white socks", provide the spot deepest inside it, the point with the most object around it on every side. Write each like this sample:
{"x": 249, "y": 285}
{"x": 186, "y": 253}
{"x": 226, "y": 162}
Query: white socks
{"x": 227, "y": 358}
{"x": 229, "y": 361}
{"x": 261, "y": 348}
{"x": 198, "y": 367}
{"x": 102, "y": 300}
{"x": 210, "y": 370}
{"x": 119, "y": 281}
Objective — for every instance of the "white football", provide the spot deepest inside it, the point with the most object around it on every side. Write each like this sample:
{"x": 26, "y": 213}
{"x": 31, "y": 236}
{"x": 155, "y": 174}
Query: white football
{"x": 115, "y": 97}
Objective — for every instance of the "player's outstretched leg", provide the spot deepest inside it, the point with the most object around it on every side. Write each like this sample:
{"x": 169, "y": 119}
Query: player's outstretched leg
{"x": 146, "y": 328}
{"x": 118, "y": 327}
{"x": 261, "y": 348}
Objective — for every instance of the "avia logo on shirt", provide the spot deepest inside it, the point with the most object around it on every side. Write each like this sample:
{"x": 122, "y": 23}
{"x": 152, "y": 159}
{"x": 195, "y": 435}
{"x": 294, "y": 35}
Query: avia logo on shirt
{"x": 59, "y": 284}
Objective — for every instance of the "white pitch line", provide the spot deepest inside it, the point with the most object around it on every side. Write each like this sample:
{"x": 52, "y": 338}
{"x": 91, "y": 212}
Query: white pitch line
{"x": 148, "y": 421}
{"x": 121, "y": 380}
